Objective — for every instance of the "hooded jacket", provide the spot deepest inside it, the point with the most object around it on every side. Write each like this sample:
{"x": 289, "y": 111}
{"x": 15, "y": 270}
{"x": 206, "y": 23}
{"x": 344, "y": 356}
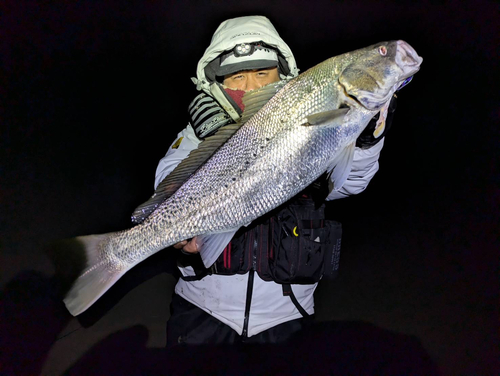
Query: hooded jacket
{"x": 236, "y": 31}
{"x": 242, "y": 30}
{"x": 224, "y": 297}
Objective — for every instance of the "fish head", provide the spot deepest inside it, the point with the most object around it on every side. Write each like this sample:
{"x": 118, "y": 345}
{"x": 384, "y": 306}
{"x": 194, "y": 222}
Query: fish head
{"x": 374, "y": 73}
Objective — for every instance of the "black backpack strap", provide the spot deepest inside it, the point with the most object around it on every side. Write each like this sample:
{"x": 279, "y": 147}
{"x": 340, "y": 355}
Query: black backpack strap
{"x": 193, "y": 277}
{"x": 194, "y": 260}
{"x": 287, "y": 291}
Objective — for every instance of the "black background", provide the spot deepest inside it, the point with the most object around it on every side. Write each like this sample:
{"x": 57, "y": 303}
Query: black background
{"x": 93, "y": 93}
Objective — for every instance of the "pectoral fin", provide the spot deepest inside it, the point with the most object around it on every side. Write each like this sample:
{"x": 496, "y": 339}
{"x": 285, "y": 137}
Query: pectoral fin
{"x": 328, "y": 119}
{"x": 341, "y": 167}
{"x": 380, "y": 125}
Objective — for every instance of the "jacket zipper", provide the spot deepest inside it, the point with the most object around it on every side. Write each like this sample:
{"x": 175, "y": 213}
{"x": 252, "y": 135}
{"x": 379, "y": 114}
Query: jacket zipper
{"x": 250, "y": 289}
{"x": 248, "y": 302}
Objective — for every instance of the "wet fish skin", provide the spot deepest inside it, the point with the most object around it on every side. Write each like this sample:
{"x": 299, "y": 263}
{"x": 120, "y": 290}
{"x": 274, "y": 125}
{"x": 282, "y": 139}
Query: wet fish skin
{"x": 297, "y": 136}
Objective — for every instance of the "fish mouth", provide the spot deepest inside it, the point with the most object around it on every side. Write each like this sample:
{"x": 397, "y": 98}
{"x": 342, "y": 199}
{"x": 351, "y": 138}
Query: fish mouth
{"x": 407, "y": 58}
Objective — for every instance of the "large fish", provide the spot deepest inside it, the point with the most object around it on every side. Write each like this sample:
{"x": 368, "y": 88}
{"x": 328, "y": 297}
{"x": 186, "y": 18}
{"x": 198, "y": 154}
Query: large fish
{"x": 307, "y": 128}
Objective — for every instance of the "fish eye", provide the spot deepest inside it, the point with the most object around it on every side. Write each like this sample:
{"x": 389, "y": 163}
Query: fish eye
{"x": 382, "y": 50}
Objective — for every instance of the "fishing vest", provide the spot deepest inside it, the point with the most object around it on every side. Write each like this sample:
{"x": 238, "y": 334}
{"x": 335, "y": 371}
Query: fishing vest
{"x": 293, "y": 244}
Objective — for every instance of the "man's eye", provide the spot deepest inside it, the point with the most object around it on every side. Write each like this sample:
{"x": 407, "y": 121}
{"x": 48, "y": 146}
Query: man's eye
{"x": 262, "y": 73}
{"x": 239, "y": 77}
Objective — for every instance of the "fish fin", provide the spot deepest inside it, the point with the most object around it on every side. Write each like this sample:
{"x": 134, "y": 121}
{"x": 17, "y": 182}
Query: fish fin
{"x": 253, "y": 100}
{"x": 95, "y": 279}
{"x": 184, "y": 170}
{"x": 211, "y": 246}
{"x": 341, "y": 167}
{"x": 328, "y": 119}
{"x": 256, "y": 99}
{"x": 380, "y": 125}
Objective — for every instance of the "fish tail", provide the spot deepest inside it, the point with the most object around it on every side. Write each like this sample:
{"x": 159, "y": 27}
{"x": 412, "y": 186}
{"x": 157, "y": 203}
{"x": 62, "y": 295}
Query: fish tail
{"x": 84, "y": 273}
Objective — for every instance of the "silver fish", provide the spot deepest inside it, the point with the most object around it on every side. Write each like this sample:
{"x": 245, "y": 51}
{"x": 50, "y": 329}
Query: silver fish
{"x": 306, "y": 128}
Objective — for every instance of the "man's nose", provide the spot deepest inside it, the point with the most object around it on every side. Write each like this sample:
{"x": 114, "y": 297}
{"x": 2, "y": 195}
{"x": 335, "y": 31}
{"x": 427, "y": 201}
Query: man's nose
{"x": 252, "y": 83}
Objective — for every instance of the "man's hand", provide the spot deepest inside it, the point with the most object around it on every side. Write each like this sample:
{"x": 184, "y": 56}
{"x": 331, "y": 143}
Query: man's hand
{"x": 188, "y": 246}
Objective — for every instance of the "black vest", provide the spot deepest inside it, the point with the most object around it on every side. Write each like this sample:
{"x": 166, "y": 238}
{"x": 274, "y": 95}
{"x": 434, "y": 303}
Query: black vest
{"x": 293, "y": 244}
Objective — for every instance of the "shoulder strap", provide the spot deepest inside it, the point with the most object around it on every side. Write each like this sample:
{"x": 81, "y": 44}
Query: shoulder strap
{"x": 287, "y": 291}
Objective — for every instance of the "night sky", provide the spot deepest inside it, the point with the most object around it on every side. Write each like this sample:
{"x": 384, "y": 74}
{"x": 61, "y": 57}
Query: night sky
{"x": 93, "y": 93}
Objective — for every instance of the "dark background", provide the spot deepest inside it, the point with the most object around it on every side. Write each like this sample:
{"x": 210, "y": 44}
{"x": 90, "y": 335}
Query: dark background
{"x": 93, "y": 93}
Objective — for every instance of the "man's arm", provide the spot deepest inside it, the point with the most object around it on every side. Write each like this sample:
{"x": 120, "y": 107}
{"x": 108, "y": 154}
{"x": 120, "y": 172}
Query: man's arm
{"x": 367, "y": 152}
{"x": 364, "y": 167}
{"x": 185, "y": 142}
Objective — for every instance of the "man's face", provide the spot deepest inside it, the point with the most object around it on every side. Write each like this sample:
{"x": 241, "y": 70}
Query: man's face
{"x": 251, "y": 79}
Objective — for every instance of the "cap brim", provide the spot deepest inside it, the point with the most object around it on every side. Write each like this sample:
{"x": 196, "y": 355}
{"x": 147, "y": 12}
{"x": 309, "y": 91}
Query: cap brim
{"x": 247, "y": 65}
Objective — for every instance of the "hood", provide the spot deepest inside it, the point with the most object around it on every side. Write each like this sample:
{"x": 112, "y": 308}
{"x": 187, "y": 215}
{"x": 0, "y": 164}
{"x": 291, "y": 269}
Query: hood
{"x": 242, "y": 30}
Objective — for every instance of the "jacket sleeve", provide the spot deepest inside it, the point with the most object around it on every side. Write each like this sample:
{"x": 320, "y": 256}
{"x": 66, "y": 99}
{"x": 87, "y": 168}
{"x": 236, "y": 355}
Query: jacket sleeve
{"x": 364, "y": 167}
{"x": 185, "y": 142}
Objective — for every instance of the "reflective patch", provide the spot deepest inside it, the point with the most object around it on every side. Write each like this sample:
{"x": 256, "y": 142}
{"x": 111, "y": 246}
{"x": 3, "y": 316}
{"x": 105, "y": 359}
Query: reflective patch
{"x": 380, "y": 125}
{"x": 177, "y": 143}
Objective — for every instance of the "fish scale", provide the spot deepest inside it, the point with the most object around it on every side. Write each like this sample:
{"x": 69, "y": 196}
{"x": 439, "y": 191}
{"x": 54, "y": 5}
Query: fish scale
{"x": 273, "y": 156}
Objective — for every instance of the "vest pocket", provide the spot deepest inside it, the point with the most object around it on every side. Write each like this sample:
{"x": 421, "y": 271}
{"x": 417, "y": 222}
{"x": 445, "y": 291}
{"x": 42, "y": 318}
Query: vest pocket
{"x": 306, "y": 253}
{"x": 331, "y": 249}
{"x": 298, "y": 253}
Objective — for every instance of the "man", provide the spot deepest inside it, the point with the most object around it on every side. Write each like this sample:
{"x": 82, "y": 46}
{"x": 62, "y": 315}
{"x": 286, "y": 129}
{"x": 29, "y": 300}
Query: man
{"x": 245, "y": 296}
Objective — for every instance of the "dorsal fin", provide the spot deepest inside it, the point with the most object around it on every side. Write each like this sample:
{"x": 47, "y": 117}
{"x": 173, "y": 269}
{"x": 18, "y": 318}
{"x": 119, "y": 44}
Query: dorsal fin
{"x": 254, "y": 100}
{"x": 184, "y": 170}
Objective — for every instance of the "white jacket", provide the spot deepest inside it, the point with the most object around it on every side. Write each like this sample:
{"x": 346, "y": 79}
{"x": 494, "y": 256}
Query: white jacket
{"x": 224, "y": 297}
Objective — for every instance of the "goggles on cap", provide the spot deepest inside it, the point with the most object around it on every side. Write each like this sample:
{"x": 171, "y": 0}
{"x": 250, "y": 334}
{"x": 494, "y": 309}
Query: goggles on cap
{"x": 243, "y": 49}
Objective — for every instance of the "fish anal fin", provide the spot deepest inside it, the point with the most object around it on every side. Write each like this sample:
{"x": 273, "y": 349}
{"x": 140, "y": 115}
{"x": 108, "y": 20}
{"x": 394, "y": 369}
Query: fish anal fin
{"x": 211, "y": 246}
